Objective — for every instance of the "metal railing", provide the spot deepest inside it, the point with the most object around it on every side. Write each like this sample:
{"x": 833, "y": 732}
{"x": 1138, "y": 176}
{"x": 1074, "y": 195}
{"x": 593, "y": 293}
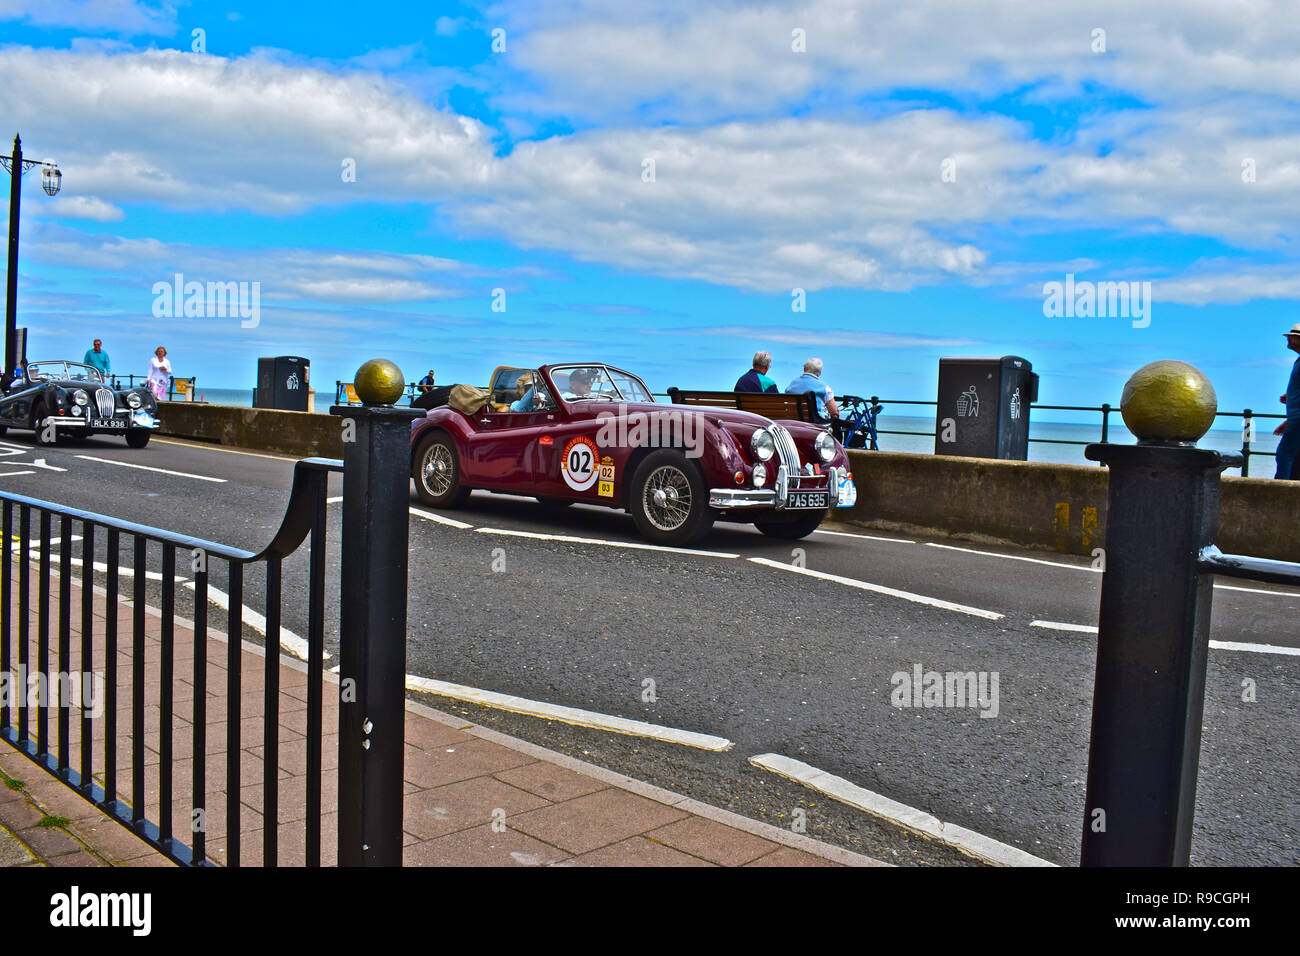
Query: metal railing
{"x": 305, "y": 515}
{"x": 172, "y": 390}
{"x": 1247, "y": 417}
{"x": 372, "y": 635}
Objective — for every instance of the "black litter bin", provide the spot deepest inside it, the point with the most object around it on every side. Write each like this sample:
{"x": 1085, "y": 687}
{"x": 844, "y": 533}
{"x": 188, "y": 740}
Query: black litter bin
{"x": 283, "y": 382}
{"x": 984, "y": 407}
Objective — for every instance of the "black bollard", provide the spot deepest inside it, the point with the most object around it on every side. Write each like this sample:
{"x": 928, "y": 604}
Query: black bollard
{"x": 1151, "y": 653}
{"x": 372, "y": 672}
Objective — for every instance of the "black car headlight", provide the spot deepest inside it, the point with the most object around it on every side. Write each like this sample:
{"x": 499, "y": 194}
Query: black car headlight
{"x": 80, "y": 397}
{"x": 133, "y": 399}
{"x": 824, "y": 445}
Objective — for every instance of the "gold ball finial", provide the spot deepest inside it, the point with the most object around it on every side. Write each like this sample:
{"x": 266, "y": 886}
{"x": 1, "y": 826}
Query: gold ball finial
{"x": 379, "y": 382}
{"x": 1168, "y": 401}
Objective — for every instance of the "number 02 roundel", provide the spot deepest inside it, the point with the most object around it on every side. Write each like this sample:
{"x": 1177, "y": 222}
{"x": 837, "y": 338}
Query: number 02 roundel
{"x": 580, "y": 463}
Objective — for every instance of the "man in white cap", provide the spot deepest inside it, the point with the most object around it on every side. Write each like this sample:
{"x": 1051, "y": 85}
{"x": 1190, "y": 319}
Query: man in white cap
{"x": 1288, "y": 449}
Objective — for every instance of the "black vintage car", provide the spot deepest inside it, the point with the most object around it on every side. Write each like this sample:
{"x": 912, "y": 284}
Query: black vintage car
{"x": 70, "y": 400}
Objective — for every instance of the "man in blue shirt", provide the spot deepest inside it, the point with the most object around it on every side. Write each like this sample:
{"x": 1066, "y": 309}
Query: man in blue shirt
{"x": 810, "y": 381}
{"x": 1288, "y": 449}
{"x": 756, "y": 380}
{"x": 97, "y": 357}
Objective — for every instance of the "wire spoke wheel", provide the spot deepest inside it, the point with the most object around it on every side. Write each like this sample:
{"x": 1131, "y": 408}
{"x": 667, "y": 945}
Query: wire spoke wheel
{"x": 668, "y": 498}
{"x": 437, "y": 469}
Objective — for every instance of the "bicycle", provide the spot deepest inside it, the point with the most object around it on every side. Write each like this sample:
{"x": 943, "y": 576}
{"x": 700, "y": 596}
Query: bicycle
{"x": 856, "y": 427}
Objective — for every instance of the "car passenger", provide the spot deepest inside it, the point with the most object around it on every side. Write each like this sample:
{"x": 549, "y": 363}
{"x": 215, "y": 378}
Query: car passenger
{"x": 527, "y": 392}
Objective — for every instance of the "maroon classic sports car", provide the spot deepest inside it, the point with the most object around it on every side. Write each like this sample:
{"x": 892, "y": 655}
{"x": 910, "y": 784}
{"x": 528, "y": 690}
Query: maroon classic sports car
{"x": 593, "y": 433}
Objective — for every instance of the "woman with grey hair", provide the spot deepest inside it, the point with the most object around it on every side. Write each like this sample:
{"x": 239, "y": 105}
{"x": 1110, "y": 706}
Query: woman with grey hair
{"x": 811, "y": 381}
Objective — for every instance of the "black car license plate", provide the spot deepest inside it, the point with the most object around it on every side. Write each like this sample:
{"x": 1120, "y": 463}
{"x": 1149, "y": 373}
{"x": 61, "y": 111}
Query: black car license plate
{"x": 807, "y": 499}
{"x": 108, "y": 423}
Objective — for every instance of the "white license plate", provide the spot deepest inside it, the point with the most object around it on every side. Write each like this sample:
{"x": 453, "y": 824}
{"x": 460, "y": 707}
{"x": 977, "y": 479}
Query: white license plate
{"x": 807, "y": 499}
{"x": 108, "y": 423}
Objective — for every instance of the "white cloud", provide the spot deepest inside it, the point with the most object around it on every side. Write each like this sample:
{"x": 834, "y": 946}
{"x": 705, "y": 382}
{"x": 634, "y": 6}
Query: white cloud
{"x": 842, "y": 199}
{"x": 82, "y": 207}
{"x": 127, "y": 17}
{"x": 702, "y": 59}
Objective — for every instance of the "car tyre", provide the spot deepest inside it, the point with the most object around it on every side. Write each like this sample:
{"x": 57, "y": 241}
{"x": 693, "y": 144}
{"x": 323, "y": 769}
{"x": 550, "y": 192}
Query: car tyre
{"x": 669, "y": 499}
{"x": 790, "y": 530}
{"x": 38, "y": 413}
{"x": 435, "y": 470}
{"x": 138, "y": 437}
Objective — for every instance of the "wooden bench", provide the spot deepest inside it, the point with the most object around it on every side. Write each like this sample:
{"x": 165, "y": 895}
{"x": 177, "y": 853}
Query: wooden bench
{"x": 776, "y": 406}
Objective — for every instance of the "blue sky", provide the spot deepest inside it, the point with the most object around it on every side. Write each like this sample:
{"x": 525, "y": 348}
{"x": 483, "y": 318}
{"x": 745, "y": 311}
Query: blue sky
{"x": 920, "y": 171}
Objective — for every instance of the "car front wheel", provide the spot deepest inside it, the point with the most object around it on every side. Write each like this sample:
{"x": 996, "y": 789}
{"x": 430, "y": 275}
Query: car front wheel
{"x": 436, "y": 472}
{"x": 670, "y": 500}
{"x": 38, "y": 416}
{"x": 138, "y": 438}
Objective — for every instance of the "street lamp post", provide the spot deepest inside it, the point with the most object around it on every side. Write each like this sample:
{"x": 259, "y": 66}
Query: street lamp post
{"x": 51, "y": 180}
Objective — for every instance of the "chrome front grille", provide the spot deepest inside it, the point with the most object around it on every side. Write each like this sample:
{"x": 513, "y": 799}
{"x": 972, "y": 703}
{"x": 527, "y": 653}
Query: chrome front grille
{"x": 106, "y": 403}
{"x": 786, "y": 449}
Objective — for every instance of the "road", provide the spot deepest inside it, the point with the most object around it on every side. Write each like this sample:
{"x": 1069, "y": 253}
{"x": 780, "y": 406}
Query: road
{"x": 781, "y": 648}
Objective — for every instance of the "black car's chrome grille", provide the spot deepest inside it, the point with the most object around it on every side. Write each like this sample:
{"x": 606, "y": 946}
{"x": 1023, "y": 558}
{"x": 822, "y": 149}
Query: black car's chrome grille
{"x": 106, "y": 402}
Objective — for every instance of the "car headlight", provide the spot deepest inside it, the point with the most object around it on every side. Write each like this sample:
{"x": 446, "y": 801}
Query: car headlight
{"x": 824, "y": 445}
{"x": 760, "y": 475}
{"x": 133, "y": 399}
{"x": 80, "y": 397}
{"x": 762, "y": 444}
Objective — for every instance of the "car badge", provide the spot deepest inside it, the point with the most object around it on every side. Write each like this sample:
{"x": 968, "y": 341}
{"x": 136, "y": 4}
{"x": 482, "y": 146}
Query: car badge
{"x": 546, "y": 440}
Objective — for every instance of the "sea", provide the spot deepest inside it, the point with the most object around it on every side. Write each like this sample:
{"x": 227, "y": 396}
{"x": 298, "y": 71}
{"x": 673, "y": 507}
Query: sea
{"x": 1057, "y": 442}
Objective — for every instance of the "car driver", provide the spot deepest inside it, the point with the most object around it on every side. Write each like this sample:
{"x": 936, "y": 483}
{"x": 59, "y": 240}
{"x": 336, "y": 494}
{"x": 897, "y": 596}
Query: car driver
{"x": 579, "y": 384}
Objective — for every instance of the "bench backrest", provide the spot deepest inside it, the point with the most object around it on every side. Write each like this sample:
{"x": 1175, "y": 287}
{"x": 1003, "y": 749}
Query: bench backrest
{"x": 771, "y": 405}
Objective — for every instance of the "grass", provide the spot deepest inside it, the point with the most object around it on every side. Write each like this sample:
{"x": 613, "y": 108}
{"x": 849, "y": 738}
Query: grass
{"x": 53, "y": 821}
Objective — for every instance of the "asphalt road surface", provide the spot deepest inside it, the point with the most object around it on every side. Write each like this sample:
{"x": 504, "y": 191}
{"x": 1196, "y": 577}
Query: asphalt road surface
{"x": 775, "y": 646}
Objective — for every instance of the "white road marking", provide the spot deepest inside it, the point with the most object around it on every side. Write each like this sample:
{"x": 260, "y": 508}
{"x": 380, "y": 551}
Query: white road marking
{"x": 1016, "y": 557}
{"x": 18, "y": 544}
{"x": 1216, "y": 645}
{"x": 333, "y": 501}
{"x": 867, "y": 537}
{"x": 38, "y": 463}
{"x": 568, "y": 715}
{"x": 918, "y": 821}
{"x": 13, "y": 473}
{"x": 204, "y": 446}
{"x": 161, "y": 471}
{"x": 881, "y": 589}
{"x": 1255, "y": 648}
{"x": 1060, "y": 626}
{"x": 1229, "y": 587}
{"x": 100, "y": 566}
{"x": 439, "y": 519}
{"x": 290, "y": 641}
{"x": 573, "y": 539}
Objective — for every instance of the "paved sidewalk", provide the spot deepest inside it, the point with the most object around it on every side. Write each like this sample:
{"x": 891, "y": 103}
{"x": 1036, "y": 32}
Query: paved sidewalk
{"x": 474, "y": 797}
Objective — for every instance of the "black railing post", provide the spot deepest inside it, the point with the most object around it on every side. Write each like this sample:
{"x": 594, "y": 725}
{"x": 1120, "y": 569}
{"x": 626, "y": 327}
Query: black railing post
{"x": 372, "y": 673}
{"x": 1153, "y": 638}
{"x": 1247, "y": 427}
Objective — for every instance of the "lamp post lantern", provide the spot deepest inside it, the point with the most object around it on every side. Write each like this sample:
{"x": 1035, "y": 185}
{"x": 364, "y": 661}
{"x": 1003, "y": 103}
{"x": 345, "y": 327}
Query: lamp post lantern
{"x": 51, "y": 182}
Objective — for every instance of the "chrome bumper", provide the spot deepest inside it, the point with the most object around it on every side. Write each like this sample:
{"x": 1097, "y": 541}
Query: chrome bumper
{"x": 776, "y": 497}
